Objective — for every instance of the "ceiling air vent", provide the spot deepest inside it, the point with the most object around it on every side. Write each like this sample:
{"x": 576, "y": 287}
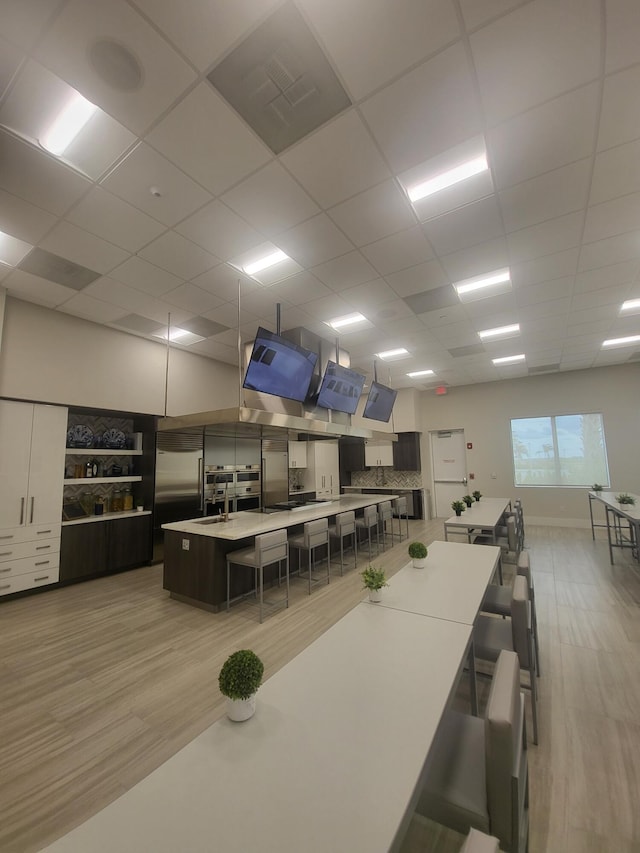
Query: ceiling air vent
{"x": 54, "y": 268}
{"x": 544, "y": 368}
{"x": 279, "y": 80}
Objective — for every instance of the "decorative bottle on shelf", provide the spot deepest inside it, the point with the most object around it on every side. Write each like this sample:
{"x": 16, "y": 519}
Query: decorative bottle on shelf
{"x": 127, "y": 501}
{"x": 88, "y": 469}
{"x": 117, "y": 501}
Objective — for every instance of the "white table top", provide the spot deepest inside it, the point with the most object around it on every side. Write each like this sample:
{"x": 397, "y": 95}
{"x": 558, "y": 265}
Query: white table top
{"x": 244, "y": 524}
{"x": 485, "y": 513}
{"x": 329, "y": 762}
{"x": 451, "y": 586}
{"x": 630, "y": 511}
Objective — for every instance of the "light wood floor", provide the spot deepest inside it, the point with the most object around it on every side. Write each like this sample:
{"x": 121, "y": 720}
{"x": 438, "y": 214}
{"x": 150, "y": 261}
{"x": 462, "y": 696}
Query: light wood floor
{"x": 103, "y": 681}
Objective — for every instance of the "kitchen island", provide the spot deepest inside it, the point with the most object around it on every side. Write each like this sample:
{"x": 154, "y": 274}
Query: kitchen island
{"x": 195, "y": 550}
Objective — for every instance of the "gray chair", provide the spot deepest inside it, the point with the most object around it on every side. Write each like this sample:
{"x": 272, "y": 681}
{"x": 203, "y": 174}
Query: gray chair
{"x": 345, "y": 529}
{"x": 269, "y": 548}
{"x": 478, "y": 776}
{"x": 315, "y": 534}
{"x": 367, "y": 523}
{"x": 400, "y": 511}
{"x": 503, "y": 530}
{"x": 509, "y": 544}
{"x": 478, "y": 842}
{"x": 492, "y": 635}
{"x": 385, "y": 517}
{"x": 498, "y": 600}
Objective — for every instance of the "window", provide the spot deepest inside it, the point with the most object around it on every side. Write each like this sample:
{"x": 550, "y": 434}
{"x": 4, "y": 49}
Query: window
{"x": 560, "y": 450}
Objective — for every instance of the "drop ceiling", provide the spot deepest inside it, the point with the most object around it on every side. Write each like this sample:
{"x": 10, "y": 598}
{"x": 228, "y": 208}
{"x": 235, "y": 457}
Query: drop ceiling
{"x": 172, "y": 183}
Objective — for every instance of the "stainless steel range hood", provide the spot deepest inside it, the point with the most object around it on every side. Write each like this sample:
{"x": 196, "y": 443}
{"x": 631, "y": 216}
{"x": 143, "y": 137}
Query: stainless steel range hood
{"x": 256, "y": 422}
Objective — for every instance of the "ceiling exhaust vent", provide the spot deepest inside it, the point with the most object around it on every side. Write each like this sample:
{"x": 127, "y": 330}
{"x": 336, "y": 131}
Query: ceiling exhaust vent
{"x": 54, "y": 268}
{"x": 279, "y": 80}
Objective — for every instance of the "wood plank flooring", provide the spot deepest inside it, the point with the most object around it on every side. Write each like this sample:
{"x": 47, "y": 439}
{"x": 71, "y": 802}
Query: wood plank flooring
{"x": 103, "y": 681}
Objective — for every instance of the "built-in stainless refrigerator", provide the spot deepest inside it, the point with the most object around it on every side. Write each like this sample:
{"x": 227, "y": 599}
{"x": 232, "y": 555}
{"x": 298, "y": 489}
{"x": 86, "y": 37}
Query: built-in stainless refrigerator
{"x": 179, "y": 476}
{"x": 275, "y": 472}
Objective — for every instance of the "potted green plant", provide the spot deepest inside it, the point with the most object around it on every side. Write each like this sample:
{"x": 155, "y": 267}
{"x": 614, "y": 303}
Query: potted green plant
{"x": 477, "y": 495}
{"x": 374, "y": 579}
{"x": 468, "y": 500}
{"x": 418, "y": 553}
{"x": 625, "y": 500}
{"x": 458, "y": 507}
{"x": 239, "y": 679}
{"x": 596, "y": 487}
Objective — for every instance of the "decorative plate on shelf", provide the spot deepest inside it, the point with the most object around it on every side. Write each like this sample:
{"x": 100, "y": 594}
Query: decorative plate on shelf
{"x": 80, "y": 436}
{"x": 114, "y": 439}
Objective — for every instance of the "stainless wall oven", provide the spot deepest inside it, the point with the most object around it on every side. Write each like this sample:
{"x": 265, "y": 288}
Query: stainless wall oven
{"x": 239, "y": 485}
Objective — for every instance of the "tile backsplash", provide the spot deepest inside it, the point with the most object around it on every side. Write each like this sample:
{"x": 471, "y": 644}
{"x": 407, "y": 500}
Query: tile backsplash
{"x": 387, "y": 477}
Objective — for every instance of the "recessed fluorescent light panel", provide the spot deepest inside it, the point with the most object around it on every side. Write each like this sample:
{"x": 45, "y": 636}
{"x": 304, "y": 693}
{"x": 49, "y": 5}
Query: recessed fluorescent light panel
{"x": 67, "y": 124}
{"x": 509, "y": 359}
{"x": 621, "y": 342}
{"x": 481, "y": 286}
{"x": 500, "y": 332}
{"x": 632, "y": 305}
{"x": 448, "y": 178}
{"x": 348, "y": 322}
{"x": 392, "y": 354}
{"x": 417, "y": 373}
{"x": 12, "y": 250}
{"x": 179, "y": 336}
{"x": 266, "y": 264}
{"x": 267, "y": 261}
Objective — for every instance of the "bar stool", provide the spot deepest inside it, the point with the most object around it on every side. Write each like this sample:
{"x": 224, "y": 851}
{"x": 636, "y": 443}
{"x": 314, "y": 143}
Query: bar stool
{"x": 315, "y": 534}
{"x": 345, "y": 528}
{"x": 268, "y": 548}
{"x": 400, "y": 511}
{"x": 385, "y": 514}
{"x": 369, "y": 522}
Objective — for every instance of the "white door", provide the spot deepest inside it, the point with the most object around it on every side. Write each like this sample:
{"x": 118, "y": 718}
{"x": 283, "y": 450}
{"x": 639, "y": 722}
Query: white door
{"x": 46, "y": 469}
{"x": 15, "y": 443}
{"x": 449, "y": 466}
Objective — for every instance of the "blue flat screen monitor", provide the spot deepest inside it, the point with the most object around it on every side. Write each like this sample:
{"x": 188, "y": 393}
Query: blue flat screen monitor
{"x": 279, "y": 367}
{"x": 341, "y": 388}
{"x": 379, "y": 402}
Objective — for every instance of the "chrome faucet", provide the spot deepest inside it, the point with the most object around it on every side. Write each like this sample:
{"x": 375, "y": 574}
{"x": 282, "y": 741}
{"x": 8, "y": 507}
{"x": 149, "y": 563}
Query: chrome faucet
{"x": 225, "y": 514}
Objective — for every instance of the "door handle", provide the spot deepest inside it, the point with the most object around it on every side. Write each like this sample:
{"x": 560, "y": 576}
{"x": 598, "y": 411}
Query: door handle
{"x": 33, "y": 500}
{"x": 464, "y": 480}
{"x": 21, "y": 510}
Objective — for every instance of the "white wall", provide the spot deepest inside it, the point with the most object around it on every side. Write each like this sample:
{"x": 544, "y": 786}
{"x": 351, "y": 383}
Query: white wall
{"x": 484, "y": 412}
{"x": 53, "y": 357}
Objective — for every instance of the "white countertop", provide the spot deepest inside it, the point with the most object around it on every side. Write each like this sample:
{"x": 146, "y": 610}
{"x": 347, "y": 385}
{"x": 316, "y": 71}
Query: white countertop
{"x": 630, "y": 511}
{"x": 242, "y": 525}
{"x": 383, "y": 488}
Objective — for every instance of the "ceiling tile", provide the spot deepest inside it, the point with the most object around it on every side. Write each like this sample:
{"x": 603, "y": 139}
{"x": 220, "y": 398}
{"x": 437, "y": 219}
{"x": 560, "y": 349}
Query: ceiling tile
{"x": 67, "y": 50}
{"x": 507, "y": 54}
{"x": 84, "y": 248}
{"x": 417, "y": 279}
{"x": 620, "y": 116}
{"x": 37, "y": 178}
{"x": 373, "y": 214}
{"x": 137, "y": 324}
{"x": 82, "y": 305}
{"x": 300, "y": 288}
{"x": 543, "y": 308}
{"x": 476, "y": 12}
{"x": 337, "y": 161}
{"x": 178, "y": 255}
{"x": 135, "y": 301}
{"x": 328, "y": 307}
{"x": 622, "y": 247}
{"x": 468, "y": 263}
{"x": 547, "y": 196}
{"x": 469, "y": 226}
{"x": 23, "y": 22}
{"x": 205, "y": 328}
{"x": 114, "y": 220}
{"x": 399, "y": 251}
{"x": 372, "y": 42}
{"x": 32, "y": 288}
{"x": 270, "y": 200}
{"x": 346, "y": 271}
{"x": 138, "y": 273}
{"x": 221, "y": 231}
{"x": 193, "y": 299}
{"x": 545, "y": 291}
{"x": 154, "y": 185}
{"x": 623, "y": 34}
{"x": 23, "y": 220}
{"x": 604, "y": 277}
{"x": 204, "y": 29}
{"x": 554, "y": 134}
{"x": 315, "y": 241}
{"x": 218, "y": 150}
{"x": 616, "y": 173}
{"x": 227, "y": 314}
{"x": 545, "y": 268}
{"x": 10, "y": 59}
{"x": 223, "y": 280}
{"x": 545, "y": 238}
{"x": 365, "y": 297}
{"x": 432, "y": 300}
{"x": 612, "y": 217}
{"x": 425, "y": 112}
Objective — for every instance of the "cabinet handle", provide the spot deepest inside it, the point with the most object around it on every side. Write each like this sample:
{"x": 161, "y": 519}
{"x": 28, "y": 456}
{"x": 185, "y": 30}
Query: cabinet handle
{"x": 21, "y": 510}
{"x": 9, "y": 536}
{"x": 43, "y": 531}
{"x": 42, "y": 547}
{"x": 6, "y": 586}
{"x": 43, "y": 563}
{"x": 5, "y": 571}
{"x": 43, "y": 578}
{"x": 6, "y": 553}
{"x": 33, "y": 500}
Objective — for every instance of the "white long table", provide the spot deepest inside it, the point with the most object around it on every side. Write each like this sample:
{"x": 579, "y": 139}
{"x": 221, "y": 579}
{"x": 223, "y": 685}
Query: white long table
{"x": 622, "y": 522}
{"x": 482, "y": 516}
{"x": 331, "y": 761}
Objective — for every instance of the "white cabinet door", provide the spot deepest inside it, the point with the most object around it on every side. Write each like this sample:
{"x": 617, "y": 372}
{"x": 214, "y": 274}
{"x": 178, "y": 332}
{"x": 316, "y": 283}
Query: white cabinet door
{"x": 46, "y": 469}
{"x": 378, "y": 453}
{"x": 297, "y": 454}
{"x": 15, "y": 448}
{"x": 323, "y": 472}
{"x": 331, "y": 466}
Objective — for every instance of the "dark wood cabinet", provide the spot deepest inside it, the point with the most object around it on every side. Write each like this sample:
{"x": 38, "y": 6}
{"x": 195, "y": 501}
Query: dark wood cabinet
{"x": 91, "y": 549}
{"x": 352, "y": 454}
{"x": 406, "y": 452}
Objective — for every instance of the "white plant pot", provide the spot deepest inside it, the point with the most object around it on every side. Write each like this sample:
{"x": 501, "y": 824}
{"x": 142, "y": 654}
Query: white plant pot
{"x": 240, "y": 710}
{"x": 419, "y": 562}
{"x": 375, "y": 595}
